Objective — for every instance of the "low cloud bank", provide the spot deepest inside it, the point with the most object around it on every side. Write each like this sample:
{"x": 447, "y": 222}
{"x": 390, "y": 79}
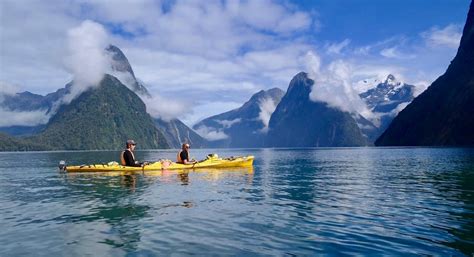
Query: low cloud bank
{"x": 267, "y": 107}
{"x": 16, "y": 118}
{"x": 332, "y": 85}
{"x": 211, "y": 134}
{"x": 166, "y": 109}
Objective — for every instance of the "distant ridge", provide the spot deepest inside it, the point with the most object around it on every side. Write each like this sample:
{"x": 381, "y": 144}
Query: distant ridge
{"x": 243, "y": 127}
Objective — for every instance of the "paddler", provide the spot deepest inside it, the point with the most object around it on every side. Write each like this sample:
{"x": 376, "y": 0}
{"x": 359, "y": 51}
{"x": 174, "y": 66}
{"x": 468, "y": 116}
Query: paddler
{"x": 127, "y": 157}
{"x": 183, "y": 155}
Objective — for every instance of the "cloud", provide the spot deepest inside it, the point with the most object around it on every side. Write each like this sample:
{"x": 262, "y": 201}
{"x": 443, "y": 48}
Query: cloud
{"x": 87, "y": 59}
{"x": 394, "y": 52}
{"x": 211, "y": 134}
{"x": 336, "y": 48}
{"x": 420, "y": 87}
{"x": 449, "y": 36}
{"x": 16, "y": 118}
{"x": 332, "y": 85}
{"x": 398, "y": 109}
{"x": 7, "y": 89}
{"x": 166, "y": 109}
{"x": 228, "y": 123}
{"x": 267, "y": 107}
{"x": 207, "y": 109}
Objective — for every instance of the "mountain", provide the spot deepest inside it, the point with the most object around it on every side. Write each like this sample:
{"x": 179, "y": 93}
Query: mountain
{"x": 388, "y": 95}
{"x": 245, "y": 126}
{"x": 103, "y": 117}
{"x": 177, "y": 133}
{"x": 300, "y": 122}
{"x": 385, "y": 100}
{"x": 27, "y": 101}
{"x": 443, "y": 114}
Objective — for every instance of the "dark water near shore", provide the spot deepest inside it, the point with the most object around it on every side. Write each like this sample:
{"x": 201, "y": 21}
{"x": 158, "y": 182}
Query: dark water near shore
{"x": 355, "y": 201}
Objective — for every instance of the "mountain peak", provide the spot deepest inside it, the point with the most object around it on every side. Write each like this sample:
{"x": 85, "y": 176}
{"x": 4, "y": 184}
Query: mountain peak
{"x": 120, "y": 62}
{"x": 390, "y": 78}
{"x": 392, "y": 81}
{"x": 122, "y": 70}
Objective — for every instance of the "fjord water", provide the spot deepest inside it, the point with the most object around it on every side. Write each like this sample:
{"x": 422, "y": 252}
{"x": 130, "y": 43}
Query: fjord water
{"x": 393, "y": 201}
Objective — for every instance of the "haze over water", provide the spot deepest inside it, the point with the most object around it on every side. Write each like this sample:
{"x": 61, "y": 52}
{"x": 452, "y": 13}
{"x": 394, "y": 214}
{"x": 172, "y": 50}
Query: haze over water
{"x": 393, "y": 201}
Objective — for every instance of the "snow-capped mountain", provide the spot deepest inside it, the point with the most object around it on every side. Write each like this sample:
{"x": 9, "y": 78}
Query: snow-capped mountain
{"x": 388, "y": 95}
{"x": 386, "y": 99}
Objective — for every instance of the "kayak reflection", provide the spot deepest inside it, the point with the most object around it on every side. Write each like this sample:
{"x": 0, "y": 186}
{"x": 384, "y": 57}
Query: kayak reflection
{"x": 129, "y": 178}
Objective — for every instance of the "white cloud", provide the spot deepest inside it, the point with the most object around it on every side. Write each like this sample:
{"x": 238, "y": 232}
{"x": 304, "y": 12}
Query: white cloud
{"x": 16, "y": 118}
{"x": 267, "y": 107}
{"x": 332, "y": 85}
{"x": 211, "y": 134}
{"x": 166, "y": 109}
{"x": 420, "y": 87}
{"x": 449, "y": 36}
{"x": 207, "y": 109}
{"x": 394, "y": 52}
{"x": 87, "y": 58}
{"x": 398, "y": 109}
{"x": 336, "y": 48}
{"x": 228, "y": 123}
{"x": 7, "y": 89}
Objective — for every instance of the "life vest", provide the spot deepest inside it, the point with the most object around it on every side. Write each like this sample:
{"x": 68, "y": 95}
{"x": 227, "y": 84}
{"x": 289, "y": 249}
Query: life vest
{"x": 122, "y": 158}
{"x": 178, "y": 158}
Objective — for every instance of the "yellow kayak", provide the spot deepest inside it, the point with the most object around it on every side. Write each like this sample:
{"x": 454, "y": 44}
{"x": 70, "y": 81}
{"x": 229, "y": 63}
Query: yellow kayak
{"x": 212, "y": 161}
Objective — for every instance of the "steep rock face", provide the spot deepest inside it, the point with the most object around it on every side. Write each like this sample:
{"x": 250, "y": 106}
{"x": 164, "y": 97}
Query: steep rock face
{"x": 300, "y": 122}
{"x": 102, "y": 118}
{"x": 244, "y": 126}
{"x": 443, "y": 114}
{"x": 177, "y": 133}
{"x": 122, "y": 69}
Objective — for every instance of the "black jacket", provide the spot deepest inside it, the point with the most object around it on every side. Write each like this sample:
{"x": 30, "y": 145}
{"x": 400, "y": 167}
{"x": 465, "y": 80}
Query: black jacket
{"x": 129, "y": 159}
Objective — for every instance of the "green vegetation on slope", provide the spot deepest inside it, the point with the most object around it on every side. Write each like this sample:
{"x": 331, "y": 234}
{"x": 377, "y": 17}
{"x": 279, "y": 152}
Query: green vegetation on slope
{"x": 101, "y": 118}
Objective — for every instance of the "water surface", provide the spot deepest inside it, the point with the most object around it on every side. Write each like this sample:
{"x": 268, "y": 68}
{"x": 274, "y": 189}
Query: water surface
{"x": 356, "y": 201}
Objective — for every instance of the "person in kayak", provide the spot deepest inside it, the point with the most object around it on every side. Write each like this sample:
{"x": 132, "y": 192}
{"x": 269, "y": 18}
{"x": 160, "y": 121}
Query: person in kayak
{"x": 183, "y": 155}
{"x": 127, "y": 157}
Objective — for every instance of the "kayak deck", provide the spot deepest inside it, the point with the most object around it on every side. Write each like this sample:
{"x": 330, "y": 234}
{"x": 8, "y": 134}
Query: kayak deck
{"x": 210, "y": 162}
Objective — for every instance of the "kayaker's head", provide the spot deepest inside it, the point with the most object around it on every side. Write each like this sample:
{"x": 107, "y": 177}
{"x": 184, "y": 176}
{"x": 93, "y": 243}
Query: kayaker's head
{"x": 130, "y": 144}
{"x": 185, "y": 146}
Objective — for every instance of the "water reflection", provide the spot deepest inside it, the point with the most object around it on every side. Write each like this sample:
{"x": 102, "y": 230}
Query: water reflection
{"x": 115, "y": 204}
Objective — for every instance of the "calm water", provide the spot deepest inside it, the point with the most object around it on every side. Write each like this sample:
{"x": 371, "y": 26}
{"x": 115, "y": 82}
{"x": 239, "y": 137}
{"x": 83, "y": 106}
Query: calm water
{"x": 355, "y": 201}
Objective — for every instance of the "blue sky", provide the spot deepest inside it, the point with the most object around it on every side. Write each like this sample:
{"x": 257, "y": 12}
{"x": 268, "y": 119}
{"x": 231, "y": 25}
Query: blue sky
{"x": 201, "y": 58}
{"x": 366, "y": 21}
